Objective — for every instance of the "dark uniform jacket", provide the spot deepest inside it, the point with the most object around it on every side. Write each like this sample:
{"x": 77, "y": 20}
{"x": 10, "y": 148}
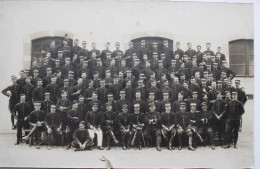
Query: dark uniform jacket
{"x": 38, "y": 94}
{"x": 52, "y": 120}
{"x": 167, "y": 119}
{"x": 46, "y": 105}
{"x": 235, "y": 110}
{"x": 93, "y": 118}
{"x": 81, "y": 136}
{"x": 137, "y": 118}
{"x": 124, "y": 119}
{"x": 37, "y": 116}
{"x": 182, "y": 119}
{"x": 153, "y": 116}
{"x": 71, "y": 114}
{"x": 15, "y": 94}
{"x": 109, "y": 118}
{"x": 21, "y": 110}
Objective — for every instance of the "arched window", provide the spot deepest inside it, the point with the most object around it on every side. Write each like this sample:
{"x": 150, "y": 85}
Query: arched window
{"x": 241, "y": 57}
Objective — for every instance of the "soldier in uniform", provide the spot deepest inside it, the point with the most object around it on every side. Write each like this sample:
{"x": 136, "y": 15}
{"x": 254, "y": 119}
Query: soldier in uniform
{"x": 93, "y": 121}
{"x": 208, "y": 51}
{"x": 104, "y": 52}
{"x": 75, "y": 48}
{"x": 82, "y": 107}
{"x": 73, "y": 117}
{"x": 36, "y": 121}
{"x": 66, "y": 87}
{"x": 117, "y": 51}
{"x": 102, "y": 92}
{"x": 109, "y": 121}
{"x": 206, "y": 124}
{"x": 53, "y": 89}
{"x": 35, "y": 77}
{"x": 124, "y": 119}
{"x": 94, "y": 100}
{"x": 153, "y": 125}
{"x": 142, "y": 50}
{"x": 137, "y": 124}
{"x": 190, "y": 52}
{"x": 94, "y": 50}
{"x": 21, "y": 112}
{"x": 235, "y": 110}
{"x": 81, "y": 138}
{"x": 13, "y": 92}
{"x": 66, "y": 68}
{"x": 83, "y": 51}
{"x": 47, "y": 79}
{"x": 77, "y": 90}
{"x": 168, "y": 125}
{"x": 53, "y": 124}
{"x": 179, "y": 51}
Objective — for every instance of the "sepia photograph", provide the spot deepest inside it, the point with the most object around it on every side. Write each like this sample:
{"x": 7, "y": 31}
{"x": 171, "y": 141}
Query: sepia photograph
{"x": 127, "y": 84}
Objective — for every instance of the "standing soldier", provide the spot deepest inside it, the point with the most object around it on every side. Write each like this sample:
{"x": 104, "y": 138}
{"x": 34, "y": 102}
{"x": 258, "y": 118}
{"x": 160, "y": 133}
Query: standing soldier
{"x": 117, "y": 51}
{"x": 53, "y": 89}
{"x": 76, "y": 47}
{"x": 13, "y": 92}
{"x": 142, "y": 50}
{"x": 102, "y": 92}
{"x": 21, "y": 112}
{"x": 37, "y": 118}
{"x": 104, "y": 52}
{"x": 47, "y": 79}
{"x": 190, "y": 52}
{"x": 94, "y": 50}
{"x": 109, "y": 119}
{"x": 137, "y": 124}
{"x": 46, "y": 103}
{"x": 179, "y": 51}
{"x": 124, "y": 127}
{"x": 73, "y": 117}
{"x": 53, "y": 124}
{"x": 82, "y": 107}
{"x": 235, "y": 110}
{"x": 153, "y": 123}
{"x": 206, "y": 124}
{"x": 208, "y": 51}
{"x": 168, "y": 125}
{"x": 35, "y": 78}
{"x": 27, "y": 91}
{"x": 93, "y": 121}
{"x": 83, "y": 51}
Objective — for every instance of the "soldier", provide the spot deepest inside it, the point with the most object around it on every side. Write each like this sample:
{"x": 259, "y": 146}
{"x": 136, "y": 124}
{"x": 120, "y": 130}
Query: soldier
{"x": 241, "y": 95}
{"x": 47, "y": 79}
{"x": 88, "y": 92}
{"x": 83, "y": 51}
{"x": 142, "y": 50}
{"x": 66, "y": 87}
{"x": 115, "y": 88}
{"x": 117, "y": 51}
{"x": 81, "y": 138}
{"x": 129, "y": 91}
{"x": 190, "y": 52}
{"x": 120, "y": 102}
{"x": 13, "y": 92}
{"x": 93, "y": 121}
{"x": 177, "y": 103}
{"x": 219, "y": 112}
{"x": 102, "y": 92}
{"x": 94, "y": 50}
{"x": 137, "y": 124}
{"x": 46, "y": 104}
{"x": 168, "y": 125}
{"x": 53, "y": 89}
{"x": 94, "y": 100}
{"x": 73, "y": 117}
{"x": 53, "y": 124}
{"x": 104, "y": 52}
{"x": 169, "y": 54}
{"x": 176, "y": 88}
{"x": 229, "y": 72}
{"x": 199, "y": 54}
{"x": 208, "y": 51}
{"x": 109, "y": 119}
{"x": 222, "y": 56}
{"x": 110, "y": 100}
{"x": 72, "y": 80}
{"x": 36, "y": 120}
{"x": 82, "y": 107}
{"x": 66, "y": 49}
{"x": 77, "y": 90}
{"x": 66, "y": 68}
{"x": 21, "y": 112}
{"x": 153, "y": 125}
{"x": 129, "y": 52}
{"x": 206, "y": 124}
{"x": 179, "y": 51}
{"x": 154, "y": 50}
{"x": 52, "y": 50}
{"x": 75, "y": 48}
{"x": 235, "y": 110}
{"x": 154, "y": 61}
{"x": 155, "y": 90}
{"x": 35, "y": 78}
{"x": 124, "y": 127}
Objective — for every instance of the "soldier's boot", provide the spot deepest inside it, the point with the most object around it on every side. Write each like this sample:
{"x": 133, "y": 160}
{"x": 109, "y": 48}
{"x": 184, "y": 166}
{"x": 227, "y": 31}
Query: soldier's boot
{"x": 113, "y": 137}
{"x": 235, "y": 145}
{"x": 227, "y": 146}
{"x": 190, "y": 144}
{"x": 108, "y": 142}
{"x": 170, "y": 143}
{"x": 158, "y": 143}
{"x": 17, "y": 142}
{"x": 140, "y": 146}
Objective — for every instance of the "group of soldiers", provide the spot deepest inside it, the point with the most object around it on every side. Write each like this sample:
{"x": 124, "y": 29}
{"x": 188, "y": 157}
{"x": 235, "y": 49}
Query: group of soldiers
{"x": 139, "y": 97}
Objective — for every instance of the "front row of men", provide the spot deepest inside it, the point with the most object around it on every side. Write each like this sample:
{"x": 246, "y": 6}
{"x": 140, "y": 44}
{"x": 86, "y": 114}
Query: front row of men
{"x": 134, "y": 129}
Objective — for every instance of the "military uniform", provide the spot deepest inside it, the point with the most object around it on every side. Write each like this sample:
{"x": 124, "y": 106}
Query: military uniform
{"x": 81, "y": 137}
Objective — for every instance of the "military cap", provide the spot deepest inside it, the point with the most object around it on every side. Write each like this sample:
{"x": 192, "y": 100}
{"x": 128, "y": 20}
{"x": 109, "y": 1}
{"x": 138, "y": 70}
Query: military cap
{"x": 234, "y": 93}
{"x": 210, "y": 75}
{"x": 237, "y": 81}
{"x": 12, "y": 77}
{"x": 115, "y": 76}
{"x": 66, "y": 80}
{"x": 107, "y": 71}
{"x": 160, "y": 61}
{"x": 102, "y": 80}
{"x": 124, "y": 106}
{"x": 212, "y": 56}
{"x": 203, "y": 104}
{"x": 137, "y": 105}
{"x": 165, "y": 41}
{"x": 136, "y": 59}
{"x": 122, "y": 92}
{"x": 53, "y": 106}
{"x": 155, "y": 53}
{"x": 108, "y": 43}
{"x": 57, "y": 60}
{"x": 154, "y": 43}
{"x": 53, "y": 76}
{"x": 182, "y": 104}
{"x": 167, "y": 104}
{"x": 75, "y": 102}
{"x": 178, "y": 43}
{"x": 208, "y": 64}
{"x": 141, "y": 74}
{"x": 85, "y": 61}
{"x": 224, "y": 61}
{"x": 134, "y": 54}
{"x": 71, "y": 72}
{"x": 117, "y": 43}
{"x": 203, "y": 79}
{"x": 219, "y": 81}
{"x": 194, "y": 92}
{"x": 82, "y": 123}
{"x": 110, "y": 95}
{"x": 151, "y": 93}
{"x": 128, "y": 71}
{"x": 60, "y": 51}
{"x": 215, "y": 63}
{"x": 173, "y": 60}
{"x": 223, "y": 73}
{"x": 108, "y": 53}
{"x": 35, "y": 71}
{"x": 205, "y": 72}
{"x": 63, "y": 92}
{"x": 98, "y": 59}
{"x": 48, "y": 69}
{"x": 185, "y": 55}
{"x": 108, "y": 104}
{"x": 142, "y": 41}
{"x": 193, "y": 104}
{"x": 46, "y": 93}
{"x": 84, "y": 42}
{"x": 201, "y": 64}
{"x": 140, "y": 81}
{"x": 81, "y": 57}
{"x": 37, "y": 104}
{"x": 162, "y": 54}
{"x": 119, "y": 53}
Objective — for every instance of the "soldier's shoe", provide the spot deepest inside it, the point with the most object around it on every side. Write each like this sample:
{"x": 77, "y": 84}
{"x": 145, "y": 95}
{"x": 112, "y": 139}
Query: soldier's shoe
{"x": 128, "y": 147}
{"x": 77, "y": 149}
{"x": 108, "y": 148}
{"x": 191, "y": 148}
{"x": 235, "y": 146}
{"x": 116, "y": 141}
{"x": 49, "y": 147}
{"x": 170, "y": 148}
{"x": 17, "y": 143}
{"x": 68, "y": 147}
{"x": 179, "y": 148}
{"x": 100, "y": 147}
{"x": 124, "y": 148}
{"x": 227, "y": 146}
{"x": 140, "y": 147}
{"x": 158, "y": 148}
{"x": 213, "y": 147}
{"x": 38, "y": 146}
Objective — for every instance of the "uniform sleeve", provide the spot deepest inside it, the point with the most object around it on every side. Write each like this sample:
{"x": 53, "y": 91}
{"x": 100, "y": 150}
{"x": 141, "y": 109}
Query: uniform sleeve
{"x": 75, "y": 137}
{"x": 87, "y": 120}
{"x": 5, "y": 91}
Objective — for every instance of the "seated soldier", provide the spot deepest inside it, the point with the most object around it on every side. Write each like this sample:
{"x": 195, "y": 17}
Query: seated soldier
{"x": 53, "y": 124}
{"x": 124, "y": 125}
{"x": 81, "y": 138}
{"x": 109, "y": 124}
{"x": 93, "y": 122}
{"x": 37, "y": 122}
{"x": 168, "y": 126}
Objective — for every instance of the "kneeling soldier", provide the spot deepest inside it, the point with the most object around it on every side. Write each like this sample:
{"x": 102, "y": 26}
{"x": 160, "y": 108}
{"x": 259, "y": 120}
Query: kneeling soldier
{"x": 81, "y": 139}
{"x": 206, "y": 124}
{"x": 37, "y": 122}
{"x": 124, "y": 125}
{"x": 167, "y": 121}
{"x": 53, "y": 124}
{"x": 93, "y": 122}
{"x": 137, "y": 124}
{"x": 153, "y": 123}
{"x": 109, "y": 124}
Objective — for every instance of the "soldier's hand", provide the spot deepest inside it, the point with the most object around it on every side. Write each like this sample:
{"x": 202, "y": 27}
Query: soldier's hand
{"x": 91, "y": 127}
{"x": 58, "y": 129}
{"x": 39, "y": 124}
{"x": 25, "y": 118}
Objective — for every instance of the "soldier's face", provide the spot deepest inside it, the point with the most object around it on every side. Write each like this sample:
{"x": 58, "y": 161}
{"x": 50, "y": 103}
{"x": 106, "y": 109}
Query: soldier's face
{"x": 14, "y": 80}
{"x": 123, "y": 63}
{"x": 75, "y": 106}
{"x": 234, "y": 96}
{"x": 67, "y": 61}
{"x": 53, "y": 109}
{"x": 138, "y": 95}
{"x": 95, "y": 108}
{"x": 64, "y": 95}
{"x": 189, "y": 45}
{"x": 84, "y": 45}
{"x": 180, "y": 96}
{"x": 125, "y": 110}
{"x": 122, "y": 95}
{"x": 110, "y": 98}
{"x": 53, "y": 80}
{"x": 237, "y": 85}
{"x": 137, "y": 109}
{"x": 93, "y": 45}
{"x": 117, "y": 46}
{"x": 185, "y": 85}
{"x": 198, "y": 48}
{"x": 192, "y": 81}
{"x": 81, "y": 126}
{"x": 145, "y": 57}
{"x": 165, "y": 97}
{"x": 193, "y": 108}
{"x": 205, "y": 108}
{"x": 37, "y": 107}
{"x": 167, "y": 109}
{"x": 152, "y": 108}
{"x": 165, "y": 44}
{"x": 195, "y": 96}
{"x": 81, "y": 99}
{"x": 39, "y": 83}
{"x": 208, "y": 46}
{"x": 22, "y": 98}
{"x": 182, "y": 108}
{"x": 142, "y": 43}
{"x": 151, "y": 97}
{"x": 153, "y": 84}
{"x": 213, "y": 85}
{"x": 94, "y": 97}
{"x": 219, "y": 96}
{"x": 109, "y": 108}
{"x": 218, "y": 56}
{"x": 47, "y": 97}
{"x": 121, "y": 75}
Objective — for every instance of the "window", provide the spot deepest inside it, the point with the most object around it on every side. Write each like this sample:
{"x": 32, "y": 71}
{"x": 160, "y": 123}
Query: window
{"x": 241, "y": 57}
{"x": 40, "y": 46}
